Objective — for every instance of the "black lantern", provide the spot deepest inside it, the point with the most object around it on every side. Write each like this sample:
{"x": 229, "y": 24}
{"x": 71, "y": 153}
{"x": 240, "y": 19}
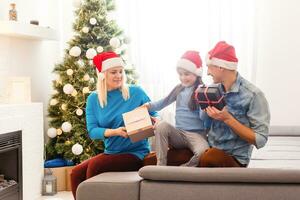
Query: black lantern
{"x": 49, "y": 183}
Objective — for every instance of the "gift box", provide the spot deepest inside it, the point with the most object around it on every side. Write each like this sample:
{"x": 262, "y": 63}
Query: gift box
{"x": 211, "y": 95}
{"x": 138, "y": 124}
{"x": 63, "y": 178}
{"x": 68, "y": 178}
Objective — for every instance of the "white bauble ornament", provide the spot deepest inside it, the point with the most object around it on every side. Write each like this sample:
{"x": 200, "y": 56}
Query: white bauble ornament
{"x": 74, "y": 93}
{"x": 75, "y": 51}
{"x": 86, "y": 77}
{"x": 76, "y": 3}
{"x": 70, "y": 72}
{"x": 58, "y": 131}
{"x": 77, "y": 149}
{"x": 64, "y": 106}
{"x": 93, "y": 21}
{"x": 80, "y": 63}
{"x": 66, "y": 127}
{"x": 85, "y": 90}
{"x": 85, "y": 29}
{"x": 91, "y": 53}
{"x": 51, "y": 132}
{"x": 114, "y": 42}
{"x": 79, "y": 112}
{"x": 53, "y": 102}
{"x": 68, "y": 88}
{"x": 100, "y": 49}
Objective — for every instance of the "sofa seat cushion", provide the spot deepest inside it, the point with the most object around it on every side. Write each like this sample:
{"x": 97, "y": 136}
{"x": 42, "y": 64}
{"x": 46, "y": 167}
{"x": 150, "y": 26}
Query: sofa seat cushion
{"x": 217, "y": 191}
{"x": 175, "y": 157}
{"x": 110, "y": 185}
{"x": 233, "y": 175}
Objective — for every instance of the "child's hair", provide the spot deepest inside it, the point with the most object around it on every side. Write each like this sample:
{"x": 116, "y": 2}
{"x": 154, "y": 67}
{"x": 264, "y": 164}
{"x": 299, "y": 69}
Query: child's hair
{"x": 193, "y": 105}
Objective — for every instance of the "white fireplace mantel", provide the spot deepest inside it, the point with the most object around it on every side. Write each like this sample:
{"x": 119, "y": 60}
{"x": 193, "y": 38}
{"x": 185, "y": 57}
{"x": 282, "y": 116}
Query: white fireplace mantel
{"x": 29, "y": 119}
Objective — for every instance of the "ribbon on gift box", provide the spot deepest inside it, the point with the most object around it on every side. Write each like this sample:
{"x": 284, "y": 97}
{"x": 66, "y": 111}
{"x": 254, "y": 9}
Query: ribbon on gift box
{"x": 136, "y": 120}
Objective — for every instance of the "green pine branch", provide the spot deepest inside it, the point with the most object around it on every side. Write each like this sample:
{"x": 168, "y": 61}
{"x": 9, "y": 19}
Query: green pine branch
{"x": 62, "y": 107}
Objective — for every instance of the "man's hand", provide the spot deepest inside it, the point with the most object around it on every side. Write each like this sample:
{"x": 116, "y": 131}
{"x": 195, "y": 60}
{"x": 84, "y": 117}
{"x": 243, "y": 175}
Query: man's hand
{"x": 238, "y": 128}
{"x": 221, "y": 115}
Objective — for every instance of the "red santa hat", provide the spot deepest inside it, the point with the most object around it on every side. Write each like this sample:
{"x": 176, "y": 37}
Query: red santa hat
{"x": 107, "y": 60}
{"x": 191, "y": 61}
{"x": 222, "y": 55}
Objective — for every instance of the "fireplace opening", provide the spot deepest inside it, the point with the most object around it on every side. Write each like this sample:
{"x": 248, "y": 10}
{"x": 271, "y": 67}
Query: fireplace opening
{"x": 11, "y": 166}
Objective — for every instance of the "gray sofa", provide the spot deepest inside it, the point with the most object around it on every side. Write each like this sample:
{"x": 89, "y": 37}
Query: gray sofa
{"x": 177, "y": 183}
{"x": 279, "y": 181}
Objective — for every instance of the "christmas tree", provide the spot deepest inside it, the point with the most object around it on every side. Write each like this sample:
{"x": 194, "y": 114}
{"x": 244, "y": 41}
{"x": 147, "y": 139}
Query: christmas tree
{"x": 94, "y": 32}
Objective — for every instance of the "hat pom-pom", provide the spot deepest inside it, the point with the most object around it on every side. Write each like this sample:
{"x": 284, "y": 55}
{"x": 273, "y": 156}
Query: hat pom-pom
{"x": 101, "y": 76}
{"x": 97, "y": 60}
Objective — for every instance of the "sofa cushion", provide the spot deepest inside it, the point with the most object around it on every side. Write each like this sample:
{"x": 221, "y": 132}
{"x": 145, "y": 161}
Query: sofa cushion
{"x": 238, "y": 175}
{"x": 284, "y": 131}
{"x": 110, "y": 185}
{"x": 175, "y": 157}
{"x": 217, "y": 191}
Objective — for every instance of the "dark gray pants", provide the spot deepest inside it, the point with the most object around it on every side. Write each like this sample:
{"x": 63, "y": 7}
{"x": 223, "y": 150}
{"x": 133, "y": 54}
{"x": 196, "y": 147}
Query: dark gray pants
{"x": 166, "y": 134}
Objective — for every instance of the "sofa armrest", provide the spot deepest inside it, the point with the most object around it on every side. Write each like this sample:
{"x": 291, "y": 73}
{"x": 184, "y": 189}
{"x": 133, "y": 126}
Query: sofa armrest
{"x": 238, "y": 175}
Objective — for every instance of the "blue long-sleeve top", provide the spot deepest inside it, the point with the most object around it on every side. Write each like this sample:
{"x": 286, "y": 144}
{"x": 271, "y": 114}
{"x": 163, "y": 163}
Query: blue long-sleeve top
{"x": 185, "y": 119}
{"x": 99, "y": 119}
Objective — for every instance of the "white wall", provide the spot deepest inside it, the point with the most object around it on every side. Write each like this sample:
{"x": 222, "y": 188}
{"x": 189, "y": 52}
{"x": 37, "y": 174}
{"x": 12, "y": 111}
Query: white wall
{"x": 278, "y": 50}
{"x": 36, "y": 59}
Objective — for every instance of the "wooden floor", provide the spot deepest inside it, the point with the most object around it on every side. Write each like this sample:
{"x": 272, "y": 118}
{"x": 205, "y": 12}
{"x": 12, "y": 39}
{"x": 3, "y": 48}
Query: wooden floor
{"x": 59, "y": 196}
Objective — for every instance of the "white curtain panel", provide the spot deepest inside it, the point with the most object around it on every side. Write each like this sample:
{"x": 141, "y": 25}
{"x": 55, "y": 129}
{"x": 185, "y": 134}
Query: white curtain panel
{"x": 162, "y": 30}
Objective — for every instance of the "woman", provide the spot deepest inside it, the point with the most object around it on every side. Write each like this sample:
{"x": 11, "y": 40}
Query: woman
{"x": 104, "y": 110}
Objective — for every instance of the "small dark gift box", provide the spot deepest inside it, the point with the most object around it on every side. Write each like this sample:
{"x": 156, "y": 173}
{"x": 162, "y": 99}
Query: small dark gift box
{"x": 210, "y": 96}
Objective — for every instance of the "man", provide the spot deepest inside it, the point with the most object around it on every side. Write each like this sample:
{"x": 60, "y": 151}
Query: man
{"x": 245, "y": 119}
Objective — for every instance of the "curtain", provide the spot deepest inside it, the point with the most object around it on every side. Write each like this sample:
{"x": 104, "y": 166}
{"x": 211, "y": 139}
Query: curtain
{"x": 161, "y": 31}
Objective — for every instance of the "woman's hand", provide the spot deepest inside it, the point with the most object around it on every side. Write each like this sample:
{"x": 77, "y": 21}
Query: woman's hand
{"x": 121, "y": 131}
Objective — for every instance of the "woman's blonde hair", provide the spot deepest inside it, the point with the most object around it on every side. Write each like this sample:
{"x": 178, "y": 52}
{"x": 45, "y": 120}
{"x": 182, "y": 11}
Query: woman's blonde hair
{"x": 102, "y": 89}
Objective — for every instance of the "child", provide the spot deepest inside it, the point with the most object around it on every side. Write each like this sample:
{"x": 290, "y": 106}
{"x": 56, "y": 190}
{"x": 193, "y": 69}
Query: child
{"x": 189, "y": 131}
